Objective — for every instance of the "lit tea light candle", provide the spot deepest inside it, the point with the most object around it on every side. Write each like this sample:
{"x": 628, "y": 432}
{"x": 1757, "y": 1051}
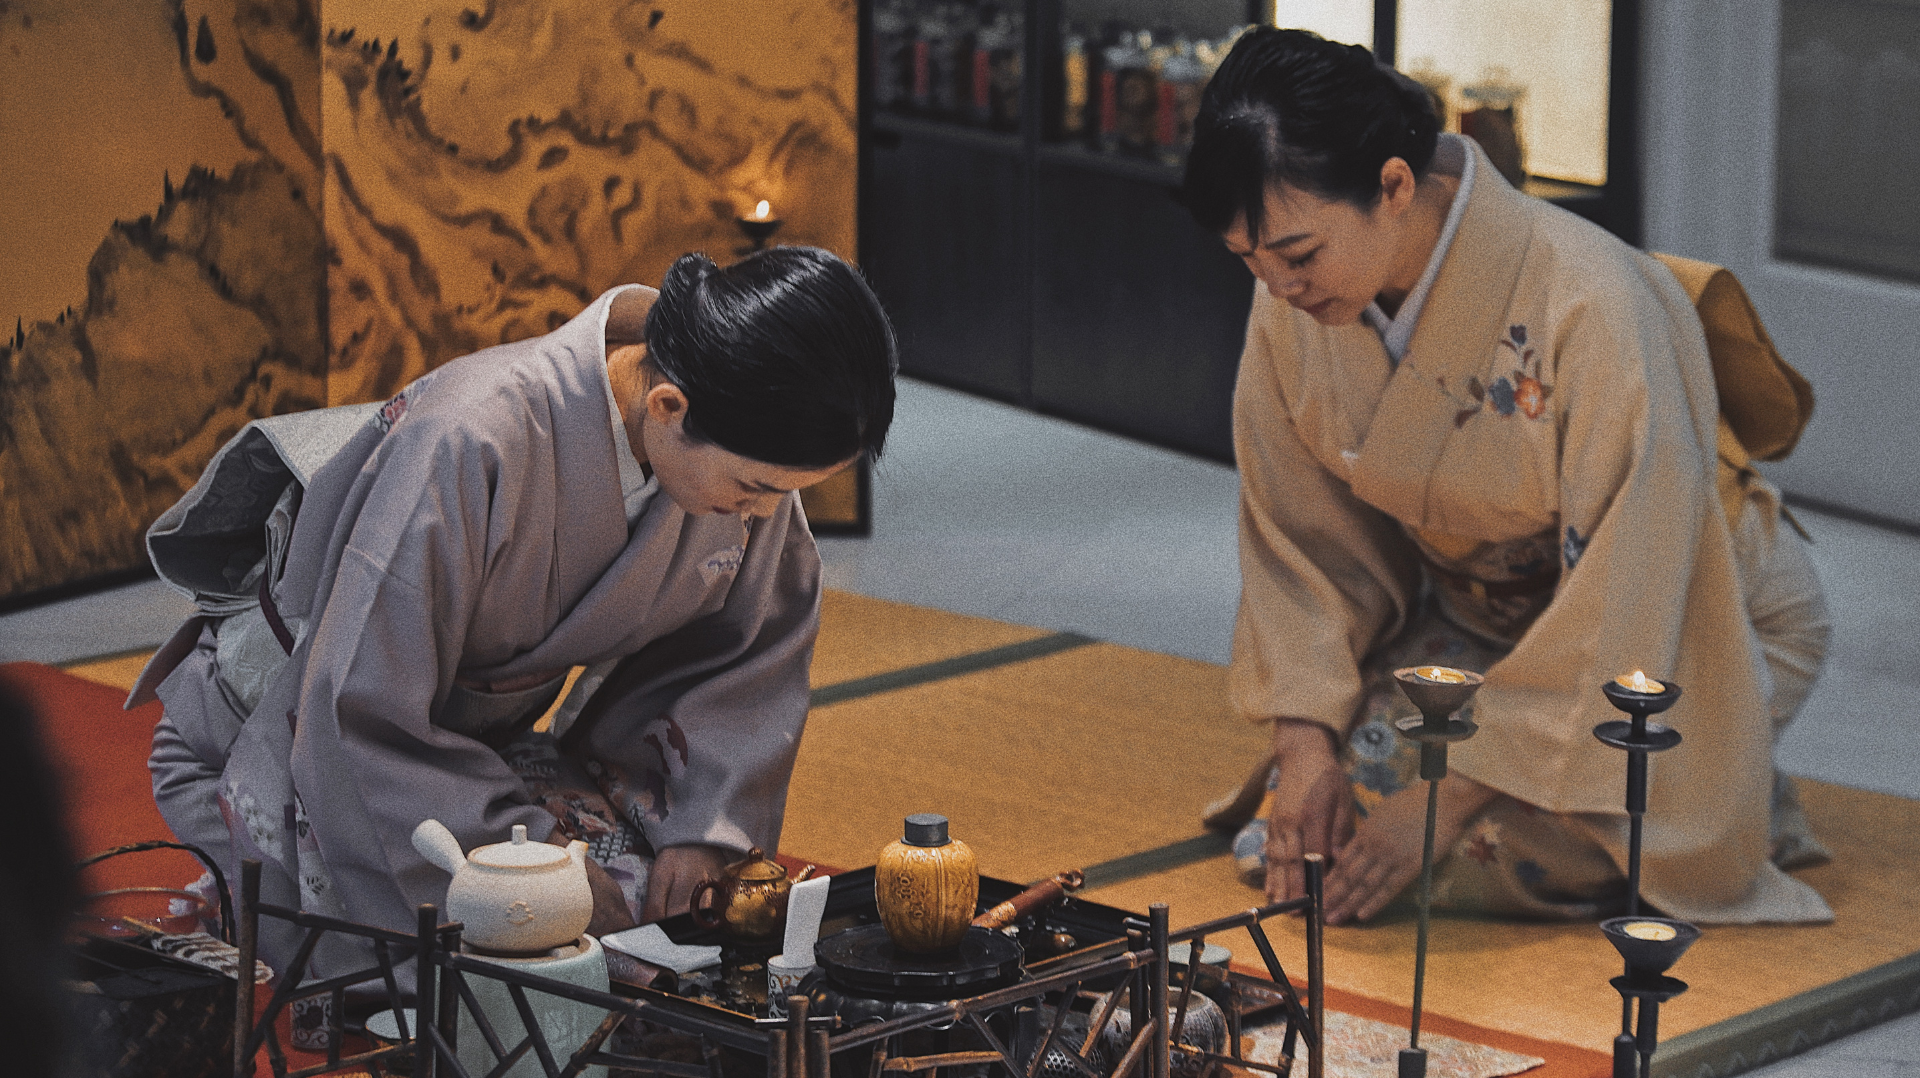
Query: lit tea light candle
{"x": 1446, "y": 675}
{"x": 1649, "y": 930}
{"x": 1638, "y": 681}
{"x": 758, "y": 225}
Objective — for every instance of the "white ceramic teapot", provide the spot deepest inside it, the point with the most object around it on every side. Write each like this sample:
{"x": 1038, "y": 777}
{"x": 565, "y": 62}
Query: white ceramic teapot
{"x": 516, "y": 897}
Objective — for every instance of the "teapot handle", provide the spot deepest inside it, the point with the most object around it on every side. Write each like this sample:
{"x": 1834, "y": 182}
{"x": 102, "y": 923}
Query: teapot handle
{"x": 707, "y": 916}
{"x": 437, "y": 844}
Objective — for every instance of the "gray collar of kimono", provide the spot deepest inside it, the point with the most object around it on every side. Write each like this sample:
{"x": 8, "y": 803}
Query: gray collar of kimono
{"x": 1450, "y": 158}
{"x": 1465, "y": 316}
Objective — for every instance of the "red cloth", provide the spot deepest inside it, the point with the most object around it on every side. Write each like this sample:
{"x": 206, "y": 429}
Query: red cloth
{"x": 99, "y": 757}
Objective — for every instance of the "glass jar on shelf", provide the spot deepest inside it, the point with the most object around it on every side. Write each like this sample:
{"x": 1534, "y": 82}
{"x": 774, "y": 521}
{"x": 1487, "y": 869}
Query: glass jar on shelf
{"x": 1137, "y": 95}
{"x": 1076, "y": 72}
{"x": 1490, "y": 115}
{"x": 892, "y": 54}
{"x": 1182, "y": 78}
{"x": 996, "y": 76}
{"x": 1438, "y": 85}
{"x": 953, "y": 84}
{"x": 1119, "y": 54}
{"x": 930, "y": 50}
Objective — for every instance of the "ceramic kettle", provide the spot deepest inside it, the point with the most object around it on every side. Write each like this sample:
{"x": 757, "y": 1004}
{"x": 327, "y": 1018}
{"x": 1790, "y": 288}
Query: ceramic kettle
{"x": 514, "y": 897}
{"x": 748, "y": 901}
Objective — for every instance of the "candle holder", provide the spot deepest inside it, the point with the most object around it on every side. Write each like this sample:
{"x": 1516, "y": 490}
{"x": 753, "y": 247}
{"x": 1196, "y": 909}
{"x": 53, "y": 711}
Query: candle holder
{"x": 758, "y": 227}
{"x": 1438, "y": 691}
{"x": 1637, "y": 737}
{"x": 1649, "y": 945}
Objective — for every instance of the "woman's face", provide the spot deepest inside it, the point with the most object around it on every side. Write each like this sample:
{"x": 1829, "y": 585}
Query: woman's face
{"x": 699, "y": 476}
{"x": 703, "y": 478}
{"x": 1328, "y": 258}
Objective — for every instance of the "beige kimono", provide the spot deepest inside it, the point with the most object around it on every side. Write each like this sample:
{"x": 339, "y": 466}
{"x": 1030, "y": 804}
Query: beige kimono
{"x": 1539, "y": 471}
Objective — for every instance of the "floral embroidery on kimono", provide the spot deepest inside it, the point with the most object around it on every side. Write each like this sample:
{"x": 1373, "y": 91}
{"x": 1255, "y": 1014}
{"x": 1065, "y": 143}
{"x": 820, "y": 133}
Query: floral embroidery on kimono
{"x": 1521, "y": 391}
{"x": 392, "y": 411}
{"x": 1574, "y": 545}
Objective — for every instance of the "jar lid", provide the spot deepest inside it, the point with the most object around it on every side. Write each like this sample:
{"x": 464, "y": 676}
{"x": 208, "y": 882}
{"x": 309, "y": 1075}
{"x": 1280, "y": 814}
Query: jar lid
{"x": 926, "y": 829}
{"x": 756, "y": 868}
{"x": 519, "y": 853}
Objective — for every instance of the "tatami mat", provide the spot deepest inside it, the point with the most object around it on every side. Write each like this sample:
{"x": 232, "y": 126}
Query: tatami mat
{"x": 1054, "y": 763}
{"x": 1550, "y": 981}
{"x": 859, "y": 637}
{"x": 862, "y": 637}
{"x": 120, "y": 672}
{"x": 1105, "y": 751}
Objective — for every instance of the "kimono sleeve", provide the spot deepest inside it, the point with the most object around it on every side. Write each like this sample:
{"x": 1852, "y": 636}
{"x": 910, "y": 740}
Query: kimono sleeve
{"x": 409, "y": 558}
{"x": 1324, "y": 576}
{"x": 698, "y": 731}
{"x": 1648, "y": 579}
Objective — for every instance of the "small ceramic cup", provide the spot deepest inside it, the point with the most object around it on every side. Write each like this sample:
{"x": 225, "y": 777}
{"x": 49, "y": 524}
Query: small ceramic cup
{"x": 783, "y": 980}
{"x": 309, "y": 1019}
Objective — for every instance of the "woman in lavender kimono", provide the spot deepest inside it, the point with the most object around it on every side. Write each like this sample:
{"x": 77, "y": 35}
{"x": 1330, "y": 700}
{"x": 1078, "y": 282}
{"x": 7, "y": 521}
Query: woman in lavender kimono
{"x": 391, "y": 596}
{"x": 1477, "y": 430}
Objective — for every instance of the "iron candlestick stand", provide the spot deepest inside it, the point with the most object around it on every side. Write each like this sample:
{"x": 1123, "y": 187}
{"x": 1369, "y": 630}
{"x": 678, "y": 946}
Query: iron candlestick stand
{"x": 1649, "y": 945}
{"x": 1438, "y": 691}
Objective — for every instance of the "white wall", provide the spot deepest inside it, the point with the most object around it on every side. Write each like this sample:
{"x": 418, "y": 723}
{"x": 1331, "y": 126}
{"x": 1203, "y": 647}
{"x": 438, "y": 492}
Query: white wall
{"x": 1708, "y": 89}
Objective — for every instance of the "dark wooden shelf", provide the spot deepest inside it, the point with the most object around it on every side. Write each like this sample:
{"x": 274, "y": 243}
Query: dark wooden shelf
{"x": 1066, "y": 280}
{"x": 979, "y": 138}
{"x": 1123, "y": 165}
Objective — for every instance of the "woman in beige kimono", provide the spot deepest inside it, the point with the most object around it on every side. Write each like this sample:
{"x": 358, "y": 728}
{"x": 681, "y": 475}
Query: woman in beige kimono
{"x": 391, "y": 595}
{"x": 1474, "y": 429}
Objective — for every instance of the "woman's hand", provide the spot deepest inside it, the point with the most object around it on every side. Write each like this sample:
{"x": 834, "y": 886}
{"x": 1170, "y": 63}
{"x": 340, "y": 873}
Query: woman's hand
{"x": 610, "y": 911}
{"x": 677, "y": 870}
{"x": 1384, "y": 854}
{"x": 1312, "y": 809}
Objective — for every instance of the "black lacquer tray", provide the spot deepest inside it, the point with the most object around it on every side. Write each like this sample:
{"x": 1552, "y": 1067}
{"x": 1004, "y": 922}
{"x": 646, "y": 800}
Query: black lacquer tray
{"x": 850, "y": 905}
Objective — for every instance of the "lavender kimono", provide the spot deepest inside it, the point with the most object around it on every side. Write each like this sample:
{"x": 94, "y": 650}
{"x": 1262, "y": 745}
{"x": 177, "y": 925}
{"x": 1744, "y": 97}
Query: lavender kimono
{"x": 471, "y": 531}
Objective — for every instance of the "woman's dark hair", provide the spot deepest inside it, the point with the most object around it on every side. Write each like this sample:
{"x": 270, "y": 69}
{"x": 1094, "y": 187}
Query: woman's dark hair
{"x": 785, "y": 356}
{"x": 1291, "y": 107}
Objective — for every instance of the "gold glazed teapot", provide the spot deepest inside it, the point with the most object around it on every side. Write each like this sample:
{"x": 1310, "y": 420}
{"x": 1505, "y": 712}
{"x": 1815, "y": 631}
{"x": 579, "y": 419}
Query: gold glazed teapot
{"x": 749, "y": 901}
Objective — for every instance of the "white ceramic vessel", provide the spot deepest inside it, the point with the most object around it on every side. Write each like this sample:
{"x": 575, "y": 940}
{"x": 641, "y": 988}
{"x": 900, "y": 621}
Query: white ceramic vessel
{"x": 565, "y": 1023}
{"x": 516, "y": 897}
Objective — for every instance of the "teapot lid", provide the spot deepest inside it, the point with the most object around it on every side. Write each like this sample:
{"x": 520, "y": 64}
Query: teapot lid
{"x": 756, "y": 868}
{"x": 519, "y": 853}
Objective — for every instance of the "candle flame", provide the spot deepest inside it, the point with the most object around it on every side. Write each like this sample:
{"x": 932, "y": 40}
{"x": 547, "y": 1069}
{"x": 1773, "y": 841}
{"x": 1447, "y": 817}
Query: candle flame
{"x": 1649, "y": 930}
{"x": 762, "y": 210}
{"x": 1638, "y": 681}
{"x": 1444, "y": 674}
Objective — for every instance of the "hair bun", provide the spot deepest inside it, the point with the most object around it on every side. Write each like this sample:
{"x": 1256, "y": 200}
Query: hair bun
{"x": 687, "y": 275}
{"x": 785, "y": 357}
{"x": 1419, "y": 123}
